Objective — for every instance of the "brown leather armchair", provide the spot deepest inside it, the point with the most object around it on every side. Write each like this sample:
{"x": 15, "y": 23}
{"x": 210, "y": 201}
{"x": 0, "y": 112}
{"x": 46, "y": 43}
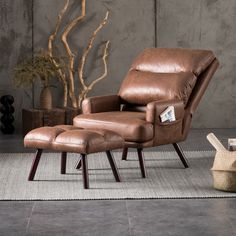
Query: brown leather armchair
{"x": 158, "y": 78}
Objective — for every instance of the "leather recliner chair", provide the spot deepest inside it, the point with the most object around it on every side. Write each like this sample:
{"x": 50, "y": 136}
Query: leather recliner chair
{"x": 158, "y": 78}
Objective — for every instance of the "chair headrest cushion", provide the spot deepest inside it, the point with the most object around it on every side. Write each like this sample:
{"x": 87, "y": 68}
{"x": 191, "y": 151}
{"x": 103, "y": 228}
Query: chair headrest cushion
{"x": 173, "y": 60}
{"x": 140, "y": 87}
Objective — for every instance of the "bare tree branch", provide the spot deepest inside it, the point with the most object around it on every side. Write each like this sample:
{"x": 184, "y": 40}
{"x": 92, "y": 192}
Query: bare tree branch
{"x": 87, "y": 50}
{"x": 104, "y": 58}
{"x": 51, "y": 40}
{"x": 68, "y": 81}
{"x": 71, "y": 56}
{"x": 86, "y": 89}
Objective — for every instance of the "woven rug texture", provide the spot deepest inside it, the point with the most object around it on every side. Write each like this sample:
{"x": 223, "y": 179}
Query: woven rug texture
{"x": 166, "y": 177}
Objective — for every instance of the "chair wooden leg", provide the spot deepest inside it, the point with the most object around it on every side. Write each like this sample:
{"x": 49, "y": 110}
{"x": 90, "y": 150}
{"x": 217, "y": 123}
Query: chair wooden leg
{"x": 141, "y": 162}
{"x": 113, "y": 166}
{"x": 124, "y": 154}
{"x": 85, "y": 170}
{"x": 78, "y": 165}
{"x": 181, "y": 155}
{"x": 63, "y": 162}
{"x": 35, "y": 164}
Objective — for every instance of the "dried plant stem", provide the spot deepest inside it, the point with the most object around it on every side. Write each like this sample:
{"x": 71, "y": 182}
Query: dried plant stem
{"x": 51, "y": 40}
{"x": 71, "y": 56}
{"x": 68, "y": 77}
{"x": 86, "y": 89}
{"x": 87, "y": 50}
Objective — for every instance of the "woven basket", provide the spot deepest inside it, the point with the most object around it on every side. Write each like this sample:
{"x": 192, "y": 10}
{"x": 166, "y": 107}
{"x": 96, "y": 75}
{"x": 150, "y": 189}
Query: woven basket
{"x": 224, "y": 166}
{"x": 224, "y": 180}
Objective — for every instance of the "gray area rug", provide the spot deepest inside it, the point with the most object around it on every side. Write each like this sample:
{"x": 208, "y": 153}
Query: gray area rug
{"x": 166, "y": 177}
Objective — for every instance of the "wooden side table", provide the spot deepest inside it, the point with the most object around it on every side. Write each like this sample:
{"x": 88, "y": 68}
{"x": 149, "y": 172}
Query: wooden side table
{"x": 35, "y": 118}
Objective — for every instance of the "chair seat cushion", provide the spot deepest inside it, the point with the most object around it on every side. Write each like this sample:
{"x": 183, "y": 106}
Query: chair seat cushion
{"x": 132, "y": 126}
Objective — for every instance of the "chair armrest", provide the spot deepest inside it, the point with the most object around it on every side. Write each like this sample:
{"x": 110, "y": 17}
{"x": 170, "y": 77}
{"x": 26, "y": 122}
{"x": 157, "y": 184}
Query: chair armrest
{"x": 154, "y": 109}
{"x": 101, "y": 104}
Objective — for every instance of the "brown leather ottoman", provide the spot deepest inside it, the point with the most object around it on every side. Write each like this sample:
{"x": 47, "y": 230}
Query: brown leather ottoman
{"x": 67, "y": 138}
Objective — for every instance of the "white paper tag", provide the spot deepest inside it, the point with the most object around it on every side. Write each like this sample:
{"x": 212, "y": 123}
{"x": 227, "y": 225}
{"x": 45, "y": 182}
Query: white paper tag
{"x": 168, "y": 115}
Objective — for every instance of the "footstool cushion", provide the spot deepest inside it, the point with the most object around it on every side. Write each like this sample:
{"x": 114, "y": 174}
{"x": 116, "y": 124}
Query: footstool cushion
{"x": 86, "y": 141}
{"x": 42, "y": 138}
{"x": 68, "y": 138}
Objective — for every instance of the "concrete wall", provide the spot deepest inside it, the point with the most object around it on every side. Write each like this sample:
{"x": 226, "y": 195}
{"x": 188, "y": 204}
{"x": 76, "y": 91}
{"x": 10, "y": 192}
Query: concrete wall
{"x": 208, "y": 24}
{"x": 133, "y": 26}
{"x": 15, "y": 42}
{"x": 126, "y": 29}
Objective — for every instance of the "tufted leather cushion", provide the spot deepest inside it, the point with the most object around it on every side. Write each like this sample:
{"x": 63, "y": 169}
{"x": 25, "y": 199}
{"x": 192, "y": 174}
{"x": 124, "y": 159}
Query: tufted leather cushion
{"x": 67, "y": 138}
{"x": 173, "y": 60}
{"x": 143, "y": 87}
{"x": 43, "y": 137}
{"x": 87, "y": 141}
{"x": 132, "y": 126}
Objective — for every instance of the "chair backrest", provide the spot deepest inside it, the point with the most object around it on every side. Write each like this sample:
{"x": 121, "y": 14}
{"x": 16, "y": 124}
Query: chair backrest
{"x": 165, "y": 74}
{"x": 168, "y": 73}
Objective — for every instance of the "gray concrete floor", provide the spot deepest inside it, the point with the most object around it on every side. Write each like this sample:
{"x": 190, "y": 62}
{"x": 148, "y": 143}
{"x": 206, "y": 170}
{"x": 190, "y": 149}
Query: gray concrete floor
{"x": 127, "y": 217}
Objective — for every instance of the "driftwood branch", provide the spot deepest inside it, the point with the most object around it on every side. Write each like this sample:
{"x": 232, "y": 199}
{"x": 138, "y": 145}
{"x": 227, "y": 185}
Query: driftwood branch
{"x": 51, "y": 40}
{"x": 71, "y": 56}
{"x": 104, "y": 58}
{"x": 68, "y": 77}
{"x": 86, "y": 89}
{"x": 88, "y": 49}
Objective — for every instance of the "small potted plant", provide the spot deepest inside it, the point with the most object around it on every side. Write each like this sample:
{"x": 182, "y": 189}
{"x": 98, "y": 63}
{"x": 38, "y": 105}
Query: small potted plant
{"x": 40, "y": 67}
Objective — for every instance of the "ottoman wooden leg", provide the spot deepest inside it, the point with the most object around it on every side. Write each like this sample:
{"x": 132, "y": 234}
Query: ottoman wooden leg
{"x": 63, "y": 162}
{"x": 35, "y": 164}
{"x": 113, "y": 166}
{"x": 141, "y": 162}
{"x": 85, "y": 170}
{"x": 78, "y": 165}
{"x": 124, "y": 154}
